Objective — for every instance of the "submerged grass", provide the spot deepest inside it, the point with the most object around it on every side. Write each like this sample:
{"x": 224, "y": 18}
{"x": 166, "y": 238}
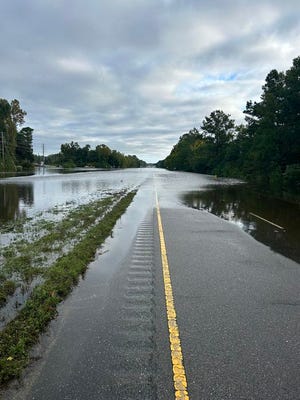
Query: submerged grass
{"x": 25, "y": 259}
{"x": 7, "y": 288}
{"x": 20, "y": 334}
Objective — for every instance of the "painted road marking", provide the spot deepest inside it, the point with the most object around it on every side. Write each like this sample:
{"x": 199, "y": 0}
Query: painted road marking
{"x": 269, "y": 222}
{"x": 179, "y": 376}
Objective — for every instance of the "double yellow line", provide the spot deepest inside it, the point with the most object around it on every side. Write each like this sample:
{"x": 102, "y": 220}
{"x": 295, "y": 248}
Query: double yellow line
{"x": 179, "y": 376}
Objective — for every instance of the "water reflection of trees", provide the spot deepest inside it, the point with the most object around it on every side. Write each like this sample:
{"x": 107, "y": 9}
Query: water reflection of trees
{"x": 228, "y": 203}
{"x": 26, "y": 194}
{"x": 72, "y": 186}
{"x": 235, "y": 204}
{"x": 10, "y": 197}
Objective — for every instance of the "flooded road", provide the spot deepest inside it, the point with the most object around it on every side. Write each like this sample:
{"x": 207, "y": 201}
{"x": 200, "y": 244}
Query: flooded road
{"x": 26, "y": 196}
{"x": 276, "y": 223}
{"x": 53, "y": 192}
{"x": 236, "y": 302}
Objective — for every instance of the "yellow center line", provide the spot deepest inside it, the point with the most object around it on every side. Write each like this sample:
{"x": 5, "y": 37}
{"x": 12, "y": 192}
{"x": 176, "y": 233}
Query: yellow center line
{"x": 179, "y": 376}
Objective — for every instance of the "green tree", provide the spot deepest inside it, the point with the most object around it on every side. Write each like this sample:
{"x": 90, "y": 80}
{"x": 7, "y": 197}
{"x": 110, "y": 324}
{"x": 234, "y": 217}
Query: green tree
{"x": 17, "y": 114}
{"x": 265, "y": 151}
{"x": 266, "y": 122}
{"x": 69, "y": 154}
{"x": 132, "y": 161}
{"x": 4, "y": 117}
{"x": 219, "y": 129}
{"x": 51, "y": 159}
{"x": 290, "y": 142}
{"x": 103, "y": 154}
{"x": 182, "y": 156}
{"x": 83, "y": 156}
{"x": 116, "y": 159}
{"x": 11, "y": 117}
{"x": 72, "y": 155}
{"x": 24, "y": 152}
{"x": 8, "y": 132}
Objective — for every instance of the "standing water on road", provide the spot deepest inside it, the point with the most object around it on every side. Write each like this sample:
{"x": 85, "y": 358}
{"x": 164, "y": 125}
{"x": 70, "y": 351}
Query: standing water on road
{"x": 54, "y": 193}
{"x": 27, "y": 195}
{"x": 42, "y": 218}
{"x": 273, "y": 222}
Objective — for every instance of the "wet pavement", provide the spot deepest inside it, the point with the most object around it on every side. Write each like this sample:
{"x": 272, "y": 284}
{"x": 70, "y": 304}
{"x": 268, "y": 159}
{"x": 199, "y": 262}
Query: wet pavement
{"x": 237, "y": 305}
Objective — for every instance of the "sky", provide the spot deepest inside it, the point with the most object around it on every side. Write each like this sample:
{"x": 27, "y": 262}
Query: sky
{"x": 137, "y": 74}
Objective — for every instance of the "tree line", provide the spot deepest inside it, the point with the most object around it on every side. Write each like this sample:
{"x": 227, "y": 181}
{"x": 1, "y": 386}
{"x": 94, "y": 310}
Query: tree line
{"x": 72, "y": 155}
{"x": 16, "y": 152}
{"x": 15, "y": 142}
{"x": 265, "y": 150}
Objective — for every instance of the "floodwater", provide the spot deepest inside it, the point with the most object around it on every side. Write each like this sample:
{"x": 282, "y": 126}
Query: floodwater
{"x": 27, "y": 196}
{"x": 245, "y": 208}
{"x": 27, "y": 201}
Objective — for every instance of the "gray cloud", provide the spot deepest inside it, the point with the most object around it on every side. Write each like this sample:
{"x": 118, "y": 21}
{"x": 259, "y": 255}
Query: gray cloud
{"x": 137, "y": 74}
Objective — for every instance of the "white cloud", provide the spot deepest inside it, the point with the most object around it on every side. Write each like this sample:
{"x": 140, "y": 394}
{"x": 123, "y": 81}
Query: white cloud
{"x": 136, "y": 75}
{"x": 75, "y": 65}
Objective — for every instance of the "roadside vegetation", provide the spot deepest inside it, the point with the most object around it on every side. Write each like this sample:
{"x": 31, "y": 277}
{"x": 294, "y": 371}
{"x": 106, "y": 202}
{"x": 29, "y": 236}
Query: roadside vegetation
{"x": 15, "y": 143}
{"x": 48, "y": 268}
{"x": 264, "y": 151}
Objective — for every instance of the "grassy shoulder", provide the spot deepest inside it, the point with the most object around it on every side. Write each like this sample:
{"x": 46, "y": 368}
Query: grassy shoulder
{"x": 23, "y": 332}
{"x": 29, "y": 255}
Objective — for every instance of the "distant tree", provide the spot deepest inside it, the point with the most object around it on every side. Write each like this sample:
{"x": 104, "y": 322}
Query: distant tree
{"x": 51, "y": 159}
{"x": 116, "y": 159}
{"x": 69, "y": 154}
{"x": 83, "y": 156}
{"x": 103, "y": 154}
{"x": 92, "y": 157}
{"x": 132, "y": 161}
{"x": 182, "y": 156}
{"x": 24, "y": 152}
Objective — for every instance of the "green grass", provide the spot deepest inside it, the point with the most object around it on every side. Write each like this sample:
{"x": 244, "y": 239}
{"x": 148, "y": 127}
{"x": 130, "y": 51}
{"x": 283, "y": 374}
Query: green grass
{"x": 23, "y": 332}
{"x": 25, "y": 259}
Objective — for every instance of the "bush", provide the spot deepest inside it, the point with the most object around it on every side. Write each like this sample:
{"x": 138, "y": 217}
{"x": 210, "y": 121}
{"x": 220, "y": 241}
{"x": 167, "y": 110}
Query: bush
{"x": 69, "y": 164}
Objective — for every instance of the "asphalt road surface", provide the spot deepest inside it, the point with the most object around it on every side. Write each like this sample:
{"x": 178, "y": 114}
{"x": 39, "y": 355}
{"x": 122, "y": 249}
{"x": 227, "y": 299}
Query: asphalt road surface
{"x": 237, "y": 305}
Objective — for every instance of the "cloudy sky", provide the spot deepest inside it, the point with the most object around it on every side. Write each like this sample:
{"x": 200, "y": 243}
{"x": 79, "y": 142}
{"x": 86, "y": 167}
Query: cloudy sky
{"x": 137, "y": 74}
